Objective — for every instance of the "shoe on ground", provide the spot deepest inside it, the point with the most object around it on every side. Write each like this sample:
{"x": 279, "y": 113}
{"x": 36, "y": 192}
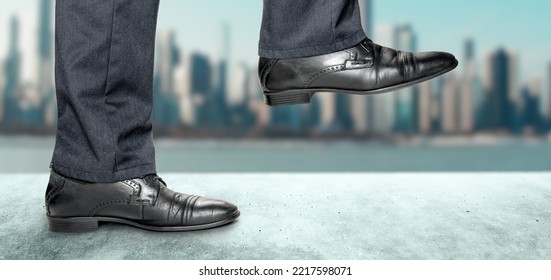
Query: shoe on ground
{"x": 77, "y": 206}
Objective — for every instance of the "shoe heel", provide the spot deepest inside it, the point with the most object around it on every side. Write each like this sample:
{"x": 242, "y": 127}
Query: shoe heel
{"x": 83, "y": 224}
{"x": 287, "y": 98}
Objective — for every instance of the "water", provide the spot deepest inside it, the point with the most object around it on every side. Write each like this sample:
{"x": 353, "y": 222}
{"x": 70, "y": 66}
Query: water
{"x": 29, "y": 154}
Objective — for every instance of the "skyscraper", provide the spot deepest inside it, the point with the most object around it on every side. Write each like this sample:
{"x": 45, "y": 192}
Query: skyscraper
{"x": 238, "y": 83}
{"x": 327, "y": 110}
{"x": 366, "y": 8}
{"x": 502, "y": 99}
{"x": 360, "y": 105}
{"x": 260, "y": 110}
{"x": 239, "y": 96}
{"x": 201, "y": 74}
{"x": 219, "y": 104}
{"x": 425, "y": 107}
{"x": 466, "y": 106}
{"x": 12, "y": 69}
{"x": 182, "y": 88}
{"x": 535, "y": 88}
{"x": 438, "y": 85}
{"x": 382, "y": 110}
{"x": 451, "y": 110}
{"x": 471, "y": 91}
{"x": 473, "y": 87}
{"x": 2, "y": 82}
{"x": 406, "y": 99}
{"x": 343, "y": 115}
{"x": 313, "y": 114}
{"x": 548, "y": 109}
{"x": 201, "y": 87}
{"x": 45, "y": 80}
{"x": 166, "y": 109}
{"x": 167, "y": 58}
{"x": 45, "y": 44}
{"x": 531, "y": 118}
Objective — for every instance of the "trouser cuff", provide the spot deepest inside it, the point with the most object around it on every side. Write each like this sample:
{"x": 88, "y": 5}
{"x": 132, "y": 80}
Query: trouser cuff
{"x": 105, "y": 177}
{"x": 351, "y": 41}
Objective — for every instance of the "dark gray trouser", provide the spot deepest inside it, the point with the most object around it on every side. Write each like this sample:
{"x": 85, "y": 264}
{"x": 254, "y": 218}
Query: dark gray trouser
{"x": 299, "y": 28}
{"x": 104, "y": 74}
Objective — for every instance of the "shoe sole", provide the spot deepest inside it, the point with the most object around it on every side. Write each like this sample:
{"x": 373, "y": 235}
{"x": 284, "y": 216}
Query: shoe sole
{"x": 302, "y": 96}
{"x": 87, "y": 224}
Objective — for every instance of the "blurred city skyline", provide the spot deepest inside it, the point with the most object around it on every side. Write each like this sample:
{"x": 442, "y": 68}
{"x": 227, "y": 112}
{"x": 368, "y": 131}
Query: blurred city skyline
{"x": 440, "y": 25}
{"x": 201, "y": 83}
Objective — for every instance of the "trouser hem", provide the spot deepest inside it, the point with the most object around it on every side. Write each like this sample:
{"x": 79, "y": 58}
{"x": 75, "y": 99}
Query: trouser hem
{"x": 105, "y": 177}
{"x": 313, "y": 50}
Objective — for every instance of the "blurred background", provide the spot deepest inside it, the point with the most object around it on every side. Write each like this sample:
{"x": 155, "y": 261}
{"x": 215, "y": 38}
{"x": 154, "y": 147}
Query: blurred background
{"x": 493, "y": 113}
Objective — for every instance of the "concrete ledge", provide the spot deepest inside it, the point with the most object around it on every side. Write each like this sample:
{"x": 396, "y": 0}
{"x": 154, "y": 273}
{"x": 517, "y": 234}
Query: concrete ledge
{"x": 312, "y": 216}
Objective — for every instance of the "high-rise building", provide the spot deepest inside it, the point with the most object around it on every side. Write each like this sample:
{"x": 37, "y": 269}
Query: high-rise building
{"x": 256, "y": 104}
{"x": 13, "y": 71}
{"x": 366, "y": 8}
{"x": 219, "y": 104}
{"x": 239, "y": 96}
{"x": 238, "y": 83}
{"x": 45, "y": 48}
{"x": 406, "y": 99}
{"x": 201, "y": 75}
{"x": 166, "y": 109}
{"x": 382, "y": 106}
{"x": 2, "y": 82}
{"x": 425, "y": 107}
{"x": 313, "y": 114}
{"x": 535, "y": 89}
{"x": 360, "y": 105}
{"x": 548, "y": 109}
{"x": 182, "y": 89}
{"x": 21, "y": 102}
{"x": 472, "y": 89}
{"x": 45, "y": 80}
{"x": 466, "y": 106}
{"x": 293, "y": 118}
{"x": 502, "y": 99}
{"x": 167, "y": 58}
{"x": 343, "y": 115}
{"x": 531, "y": 118}
{"x": 288, "y": 117}
{"x": 45, "y": 42}
{"x": 327, "y": 110}
{"x": 438, "y": 84}
{"x": 201, "y": 87}
{"x": 470, "y": 98}
{"x": 451, "y": 110}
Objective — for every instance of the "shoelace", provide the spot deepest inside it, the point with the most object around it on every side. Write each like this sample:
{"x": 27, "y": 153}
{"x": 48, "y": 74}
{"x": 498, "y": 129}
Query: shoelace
{"x": 148, "y": 178}
{"x": 160, "y": 179}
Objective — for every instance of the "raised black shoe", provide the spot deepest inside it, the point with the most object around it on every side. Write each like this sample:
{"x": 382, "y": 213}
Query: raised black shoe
{"x": 366, "y": 68}
{"x": 147, "y": 203}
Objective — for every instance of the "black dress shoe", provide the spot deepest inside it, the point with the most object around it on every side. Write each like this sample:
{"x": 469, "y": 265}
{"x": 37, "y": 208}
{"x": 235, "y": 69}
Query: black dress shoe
{"x": 366, "y": 68}
{"x": 78, "y": 206}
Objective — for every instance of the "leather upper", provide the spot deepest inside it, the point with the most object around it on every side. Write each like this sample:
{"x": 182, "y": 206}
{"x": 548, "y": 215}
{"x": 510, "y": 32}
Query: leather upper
{"x": 364, "y": 67}
{"x": 144, "y": 200}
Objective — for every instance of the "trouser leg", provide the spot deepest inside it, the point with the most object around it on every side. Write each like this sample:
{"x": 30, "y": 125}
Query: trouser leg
{"x": 104, "y": 80}
{"x": 301, "y": 28}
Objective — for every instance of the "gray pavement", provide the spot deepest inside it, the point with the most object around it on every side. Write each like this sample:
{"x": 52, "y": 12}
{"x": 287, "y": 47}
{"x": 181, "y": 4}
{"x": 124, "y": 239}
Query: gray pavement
{"x": 312, "y": 216}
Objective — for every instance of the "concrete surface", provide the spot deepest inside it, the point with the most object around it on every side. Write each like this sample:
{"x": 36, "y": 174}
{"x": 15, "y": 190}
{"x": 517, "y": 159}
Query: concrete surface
{"x": 312, "y": 216}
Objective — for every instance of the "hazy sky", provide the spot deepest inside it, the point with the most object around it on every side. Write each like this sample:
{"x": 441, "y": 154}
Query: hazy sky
{"x": 521, "y": 26}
